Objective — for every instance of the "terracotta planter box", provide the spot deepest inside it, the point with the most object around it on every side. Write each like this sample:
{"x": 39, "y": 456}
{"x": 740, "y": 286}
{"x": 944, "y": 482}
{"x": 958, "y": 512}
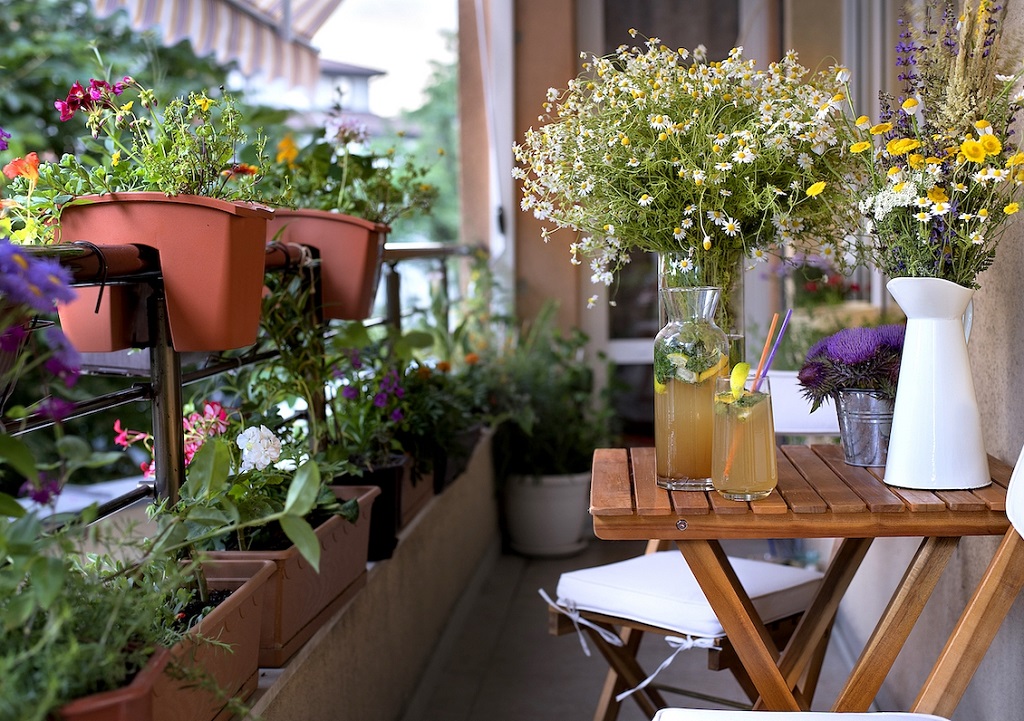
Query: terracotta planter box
{"x": 234, "y": 670}
{"x": 212, "y": 259}
{"x": 351, "y": 252}
{"x": 298, "y": 599}
{"x": 134, "y": 702}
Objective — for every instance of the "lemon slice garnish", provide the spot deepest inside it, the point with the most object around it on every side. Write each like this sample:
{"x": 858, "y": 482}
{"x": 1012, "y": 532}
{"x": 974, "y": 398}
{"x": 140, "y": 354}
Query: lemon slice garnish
{"x": 737, "y": 378}
{"x": 723, "y": 361}
{"x": 660, "y": 387}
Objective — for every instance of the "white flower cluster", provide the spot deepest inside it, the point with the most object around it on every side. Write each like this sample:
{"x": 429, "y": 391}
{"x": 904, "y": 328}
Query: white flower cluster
{"x": 260, "y": 448}
{"x": 677, "y": 154}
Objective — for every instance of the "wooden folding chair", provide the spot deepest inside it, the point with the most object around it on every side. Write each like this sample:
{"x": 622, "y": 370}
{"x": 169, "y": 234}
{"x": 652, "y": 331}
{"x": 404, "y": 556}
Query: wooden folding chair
{"x": 616, "y": 604}
{"x": 959, "y": 660}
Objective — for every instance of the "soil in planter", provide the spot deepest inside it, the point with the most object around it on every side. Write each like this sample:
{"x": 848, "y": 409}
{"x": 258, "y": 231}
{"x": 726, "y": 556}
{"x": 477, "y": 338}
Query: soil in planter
{"x": 272, "y": 537}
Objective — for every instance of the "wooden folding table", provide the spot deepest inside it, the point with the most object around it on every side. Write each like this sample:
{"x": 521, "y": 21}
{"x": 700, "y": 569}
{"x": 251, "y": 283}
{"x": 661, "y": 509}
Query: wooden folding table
{"x": 818, "y": 496}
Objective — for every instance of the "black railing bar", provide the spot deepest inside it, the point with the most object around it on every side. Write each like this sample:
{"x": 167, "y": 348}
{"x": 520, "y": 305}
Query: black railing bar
{"x": 143, "y": 490}
{"x": 226, "y": 364}
{"x": 81, "y": 409}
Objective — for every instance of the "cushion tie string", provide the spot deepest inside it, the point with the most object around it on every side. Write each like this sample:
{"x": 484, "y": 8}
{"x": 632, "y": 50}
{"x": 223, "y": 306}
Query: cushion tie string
{"x": 574, "y": 615}
{"x": 677, "y": 643}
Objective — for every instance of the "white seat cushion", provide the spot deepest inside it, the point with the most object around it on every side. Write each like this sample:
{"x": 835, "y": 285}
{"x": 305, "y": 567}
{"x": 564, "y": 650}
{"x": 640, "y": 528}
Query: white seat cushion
{"x": 682, "y": 714}
{"x": 659, "y": 589}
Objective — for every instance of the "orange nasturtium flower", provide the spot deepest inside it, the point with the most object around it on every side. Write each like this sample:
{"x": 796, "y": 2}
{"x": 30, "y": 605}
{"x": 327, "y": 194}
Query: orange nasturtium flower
{"x": 27, "y": 166}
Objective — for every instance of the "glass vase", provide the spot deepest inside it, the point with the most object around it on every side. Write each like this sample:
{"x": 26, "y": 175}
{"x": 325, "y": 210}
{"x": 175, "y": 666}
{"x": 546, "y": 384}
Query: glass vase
{"x": 725, "y": 272}
{"x": 690, "y": 352}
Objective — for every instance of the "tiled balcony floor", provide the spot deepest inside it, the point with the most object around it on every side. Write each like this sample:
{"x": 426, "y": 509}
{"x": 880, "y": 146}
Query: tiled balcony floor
{"x": 500, "y": 664}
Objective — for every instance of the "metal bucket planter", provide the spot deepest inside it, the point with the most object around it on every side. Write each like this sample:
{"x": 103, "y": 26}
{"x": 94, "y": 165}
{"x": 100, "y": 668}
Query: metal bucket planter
{"x": 865, "y": 422}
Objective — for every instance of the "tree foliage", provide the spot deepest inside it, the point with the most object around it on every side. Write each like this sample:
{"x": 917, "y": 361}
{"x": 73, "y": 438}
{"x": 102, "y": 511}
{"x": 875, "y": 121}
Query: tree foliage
{"x": 46, "y": 45}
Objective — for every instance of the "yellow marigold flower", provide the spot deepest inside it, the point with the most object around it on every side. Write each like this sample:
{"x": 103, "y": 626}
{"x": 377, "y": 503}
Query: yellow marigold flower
{"x": 991, "y": 144}
{"x": 900, "y": 146}
{"x": 915, "y": 161}
{"x": 287, "y": 150}
{"x": 937, "y": 194}
{"x": 973, "y": 150}
{"x": 1011, "y": 208}
{"x": 880, "y": 128}
{"x": 1015, "y": 160}
{"x": 860, "y": 147}
{"x": 932, "y": 160}
{"x": 816, "y": 188}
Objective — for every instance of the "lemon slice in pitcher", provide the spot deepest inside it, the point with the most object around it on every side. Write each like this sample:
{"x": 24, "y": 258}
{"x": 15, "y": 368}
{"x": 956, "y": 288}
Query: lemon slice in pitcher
{"x": 737, "y": 378}
{"x": 723, "y": 361}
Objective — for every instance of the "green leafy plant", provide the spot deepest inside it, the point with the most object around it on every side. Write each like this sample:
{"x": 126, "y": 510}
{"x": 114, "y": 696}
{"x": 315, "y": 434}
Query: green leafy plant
{"x": 563, "y": 417}
{"x": 342, "y": 172}
{"x": 135, "y": 142}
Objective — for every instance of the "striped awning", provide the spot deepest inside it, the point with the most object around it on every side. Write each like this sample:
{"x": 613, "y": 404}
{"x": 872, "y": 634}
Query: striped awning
{"x": 269, "y": 37}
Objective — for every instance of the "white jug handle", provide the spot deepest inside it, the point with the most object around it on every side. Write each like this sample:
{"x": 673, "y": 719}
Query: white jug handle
{"x": 968, "y": 320}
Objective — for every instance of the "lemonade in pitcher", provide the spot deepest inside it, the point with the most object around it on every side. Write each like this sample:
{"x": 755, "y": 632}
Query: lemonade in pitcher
{"x": 690, "y": 352}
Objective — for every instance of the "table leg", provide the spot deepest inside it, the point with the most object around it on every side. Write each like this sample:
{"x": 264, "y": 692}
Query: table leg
{"x": 978, "y": 625}
{"x": 755, "y": 648}
{"x": 894, "y": 627}
{"x": 816, "y": 621}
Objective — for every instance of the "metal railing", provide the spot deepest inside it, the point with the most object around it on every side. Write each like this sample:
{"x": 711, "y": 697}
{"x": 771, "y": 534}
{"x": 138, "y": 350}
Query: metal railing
{"x": 162, "y": 384}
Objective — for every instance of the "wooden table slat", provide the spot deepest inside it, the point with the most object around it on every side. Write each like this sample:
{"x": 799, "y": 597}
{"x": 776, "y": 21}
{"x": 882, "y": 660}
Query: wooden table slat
{"x": 1000, "y": 471}
{"x": 688, "y": 503}
{"x": 962, "y": 501}
{"x": 610, "y": 491}
{"x": 650, "y": 500}
{"x": 725, "y": 507}
{"x": 796, "y": 490}
{"x": 773, "y": 504}
{"x": 830, "y": 487}
{"x": 920, "y": 501}
{"x": 994, "y": 497}
{"x": 878, "y": 497}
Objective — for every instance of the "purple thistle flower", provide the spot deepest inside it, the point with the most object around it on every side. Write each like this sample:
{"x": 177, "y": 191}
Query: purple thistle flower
{"x": 4, "y": 137}
{"x": 850, "y": 347}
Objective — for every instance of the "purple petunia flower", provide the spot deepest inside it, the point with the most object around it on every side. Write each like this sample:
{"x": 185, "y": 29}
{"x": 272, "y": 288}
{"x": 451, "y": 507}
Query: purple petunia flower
{"x": 44, "y": 493}
{"x": 4, "y": 137}
{"x": 56, "y": 409}
{"x": 12, "y": 338}
{"x": 66, "y": 361}
{"x": 380, "y": 400}
{"x": 350, "y": 393}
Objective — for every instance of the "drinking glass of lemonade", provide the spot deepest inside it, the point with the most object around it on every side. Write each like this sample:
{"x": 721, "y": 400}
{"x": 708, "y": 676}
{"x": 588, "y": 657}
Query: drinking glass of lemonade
{"x": 744, "y": 466}
{"x": 689, "y": 353}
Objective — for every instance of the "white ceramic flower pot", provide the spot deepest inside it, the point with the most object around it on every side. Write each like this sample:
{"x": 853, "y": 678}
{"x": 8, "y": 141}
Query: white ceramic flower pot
{"x": 936, "y": 441}
{"x": 548, "y": 515}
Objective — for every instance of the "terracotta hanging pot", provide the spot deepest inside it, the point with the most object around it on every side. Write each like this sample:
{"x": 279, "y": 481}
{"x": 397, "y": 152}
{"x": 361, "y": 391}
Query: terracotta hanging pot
{"x": 298, "y": 600}
{"x": 351, "y": 252}
{"x": 212, "y": 259}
